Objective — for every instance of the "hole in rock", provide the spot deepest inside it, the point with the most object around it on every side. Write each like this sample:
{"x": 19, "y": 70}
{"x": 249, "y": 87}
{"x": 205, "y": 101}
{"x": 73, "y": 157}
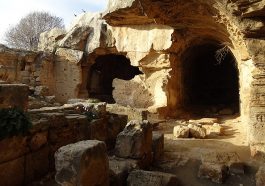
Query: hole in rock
{"x": 105, "y": 69}
{"x": 210, "y": 79}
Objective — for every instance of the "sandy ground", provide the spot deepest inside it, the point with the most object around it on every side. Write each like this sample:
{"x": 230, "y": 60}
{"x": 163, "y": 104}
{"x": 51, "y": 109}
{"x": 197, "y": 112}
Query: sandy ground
{"x": 182, "y": 156}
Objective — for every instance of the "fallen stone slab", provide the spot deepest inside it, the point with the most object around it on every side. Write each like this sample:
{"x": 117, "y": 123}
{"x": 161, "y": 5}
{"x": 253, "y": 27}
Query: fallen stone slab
{"x": 215, "y": 130}
{"x": 147, "y": 178}
{"x": 205, "y": 121}
{"x": 197, "y": 131}
{"x": 181, "y": 131}
{"x": 83, "y": 163}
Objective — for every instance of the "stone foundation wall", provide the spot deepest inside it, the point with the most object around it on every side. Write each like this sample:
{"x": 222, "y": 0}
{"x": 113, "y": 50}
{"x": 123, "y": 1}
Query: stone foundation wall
{"x": 61, "y": 73}
{"x": 14, "y": 96}
{"x": 30, "y": 157}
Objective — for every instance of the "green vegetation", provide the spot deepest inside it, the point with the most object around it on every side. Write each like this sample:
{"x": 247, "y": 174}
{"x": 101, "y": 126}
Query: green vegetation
{"x": 88, "y": 112}
{"x": 13, "y": 122}
{"x": 90, "y": 115}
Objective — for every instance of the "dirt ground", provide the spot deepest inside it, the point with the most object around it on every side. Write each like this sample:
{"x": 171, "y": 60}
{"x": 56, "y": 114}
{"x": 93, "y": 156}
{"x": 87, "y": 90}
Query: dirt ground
{"x": 182, "y": 156}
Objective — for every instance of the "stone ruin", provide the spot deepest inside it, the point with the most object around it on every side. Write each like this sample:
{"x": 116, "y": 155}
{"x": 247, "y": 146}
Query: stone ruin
{"x": 148, "y": 60}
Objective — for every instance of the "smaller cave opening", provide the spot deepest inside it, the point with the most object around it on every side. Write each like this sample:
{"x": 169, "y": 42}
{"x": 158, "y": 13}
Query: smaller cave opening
{"x": 102, "y": 73}
{"x": 210, "y": 80}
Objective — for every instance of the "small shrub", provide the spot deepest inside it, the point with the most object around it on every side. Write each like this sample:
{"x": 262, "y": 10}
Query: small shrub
{"x": 90, "y": 115}
{"x": 13, "y": 122}
{"x": 221, "y": 54}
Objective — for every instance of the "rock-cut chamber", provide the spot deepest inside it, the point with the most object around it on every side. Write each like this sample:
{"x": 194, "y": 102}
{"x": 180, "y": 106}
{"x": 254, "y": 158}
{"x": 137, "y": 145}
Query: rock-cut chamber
{"x": 210, "y": 78}
{"x": 105, "y": 69}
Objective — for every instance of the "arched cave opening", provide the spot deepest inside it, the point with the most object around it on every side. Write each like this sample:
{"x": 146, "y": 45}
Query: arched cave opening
{"x": 210, "y": 79}
{"x": 102, "y": 73}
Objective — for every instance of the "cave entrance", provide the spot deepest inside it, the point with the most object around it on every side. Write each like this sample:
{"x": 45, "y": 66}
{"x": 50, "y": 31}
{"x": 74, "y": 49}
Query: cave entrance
{"x": 102, "y": 73}
{"x": 210, "y": 80}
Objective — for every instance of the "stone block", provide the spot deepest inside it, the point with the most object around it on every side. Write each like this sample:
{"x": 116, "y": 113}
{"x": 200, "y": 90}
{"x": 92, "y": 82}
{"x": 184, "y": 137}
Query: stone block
{"x": 205, "y": 121}
{"x": 214, "y": 130}
{"x": 157, "y": 145}
{"x": 25, "y": 73}
{"x": 98, "y": 129}
{"x": 25, "y": 80}
{"x": 41, "y": 91}
{"x": 55, "y": 119}
{"x": 135, "y": 141}
{"x": 12, "y": 172}
{"x": 226, "y": 158}
{"x": 82, "y": 163}
{"x": 237, "y": 168}
{"x": 116, "y": 123}
{"x": 258, "y": 151}
{"x": 38, "y": 140}
{"x": 76, "y": 38}
{"x": 181, "y": 131}
{"x": 50, "y": 99}
{"x": 73, "y": 56}
{"x": 120, "y": 169}
{"x": 146, "y": 178}
{"x": 260, "y": 176}
{"x": 14, "y": 95}
{"x": 13, "y": 148}
{"x": 37, "y": 165}
{"x": 40, "y": 125}
{"x": 197, "y": 131}
{"x": 215, "y": 172}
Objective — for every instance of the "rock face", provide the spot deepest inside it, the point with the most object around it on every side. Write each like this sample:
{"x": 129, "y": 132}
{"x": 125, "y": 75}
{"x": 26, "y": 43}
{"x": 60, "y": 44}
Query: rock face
{"x": 83, "y": 163}
{"x": 75, "y": 38}
{"x": 145, "y": 178}
{"x": 49, "y": 39}
{"x": 135, "y": 141}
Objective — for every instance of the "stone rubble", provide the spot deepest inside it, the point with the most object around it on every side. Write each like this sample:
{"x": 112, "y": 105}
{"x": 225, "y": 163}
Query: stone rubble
{"x": 197, "y": 131}
{"x": 181, "y": 131}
